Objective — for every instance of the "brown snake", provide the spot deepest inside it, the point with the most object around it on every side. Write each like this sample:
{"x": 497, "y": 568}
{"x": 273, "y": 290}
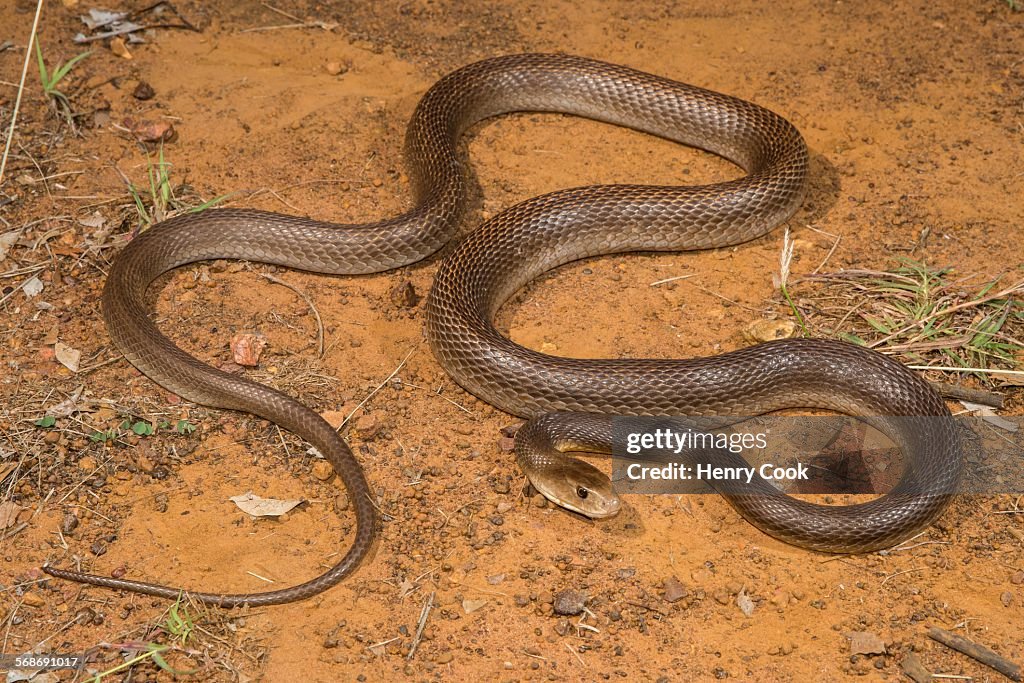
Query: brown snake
{"x": 516, "y": 246}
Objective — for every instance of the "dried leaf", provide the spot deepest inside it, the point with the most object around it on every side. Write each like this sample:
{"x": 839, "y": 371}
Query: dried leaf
{"x": 470, "y": 606}
{"x": 9, "y": 514}
{"x": 96, "y": 220}
{"x": 988, "y": 414}
{"x": 99, "y": 18}
{"x": 67, "y": 406}
{"x": 32, "y": 287}
{"x": 118, "y": 47}
{"x": 68, "y": 357}
{"x": 865, "y": 643}
{"x": 7, "y": 240}
{"x": 263, "y": 507}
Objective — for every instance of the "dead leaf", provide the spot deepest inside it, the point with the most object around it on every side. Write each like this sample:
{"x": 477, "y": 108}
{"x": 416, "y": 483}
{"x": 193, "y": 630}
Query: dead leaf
{"x": 68, "y": 357}
{"x": 263, "y": 507}
{"x": 68, "y": 405}
{"x": 405, "y": 588}
{"x": 470, "y": 606}
{"x": 988, "y": 414}
{"x": 95, "y": 220}
{"x": 118, "y": 47}
{"x": 865, "y": 643}
{"x": 32, "y": 287}
{"x": 9, "y": 514}
{"x": 7, "y": 240}
{"x": 246, "y": 348}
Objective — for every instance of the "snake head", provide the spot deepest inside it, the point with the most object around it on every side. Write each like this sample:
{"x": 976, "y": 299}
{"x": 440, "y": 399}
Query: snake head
{"x": 580, "y": 487}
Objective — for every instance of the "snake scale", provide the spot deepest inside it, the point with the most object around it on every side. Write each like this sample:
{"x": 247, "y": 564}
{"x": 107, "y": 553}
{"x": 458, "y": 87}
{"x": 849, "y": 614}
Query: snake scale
{"x": 514, "y": 247}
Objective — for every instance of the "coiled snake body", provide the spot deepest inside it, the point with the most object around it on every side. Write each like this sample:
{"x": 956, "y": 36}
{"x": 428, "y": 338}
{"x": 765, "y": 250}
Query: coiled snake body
{"x": 516, "y": 246}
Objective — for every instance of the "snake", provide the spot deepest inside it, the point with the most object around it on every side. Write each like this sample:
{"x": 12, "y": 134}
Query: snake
{"x": 569, "y": 401}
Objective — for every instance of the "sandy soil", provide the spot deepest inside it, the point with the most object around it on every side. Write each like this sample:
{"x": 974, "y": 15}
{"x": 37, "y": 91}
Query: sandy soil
{"x": 915, "y": 120}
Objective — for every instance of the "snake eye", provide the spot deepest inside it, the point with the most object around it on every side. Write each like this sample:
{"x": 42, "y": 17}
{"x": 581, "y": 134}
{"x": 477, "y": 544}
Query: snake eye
{"x": 582, "y": 492}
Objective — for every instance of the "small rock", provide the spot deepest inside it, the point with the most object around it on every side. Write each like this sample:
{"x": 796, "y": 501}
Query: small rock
{"x": 246, "y": 348}
{"x": 770, "y": 330}
{"x": 1018, "y": 578}
{"x": 403, "y": 295}
{"x": 501, "y": 486}
{"x": 367, "y": 427}
{"x": 445, "y": 657}
{"x": 539, "y": 501}
{"x": 150, "y": 131}
{"x": 335, "y": 418}
{"x": 511, "y": 430}
{"x": 569, "y": 602}
{"x": 625, "y": 573}
{"x": 69, "y": 523}
{"x": 674, "y": 590}
{"x": 336, "y": 68}
{"x": 87, "y": 463}
{"x": 1006, "y": 597}
{"x": 322, "y": 470}
{"x": 32, "y": 599}
{"x": 143, "y": 91}
{"x": 745, "y": 604}
{"x": 506, "y": 444}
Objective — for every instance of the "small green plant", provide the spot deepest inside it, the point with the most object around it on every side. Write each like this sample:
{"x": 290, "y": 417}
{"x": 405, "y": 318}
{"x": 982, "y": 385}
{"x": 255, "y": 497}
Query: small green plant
{"x": 137, "y": 427}
{"x": 926, "y": 315}
{"x": 157, "y": 202}
{"x": 50, "y": 81}
{"x": 184, "y": 427}
{"x": 46, "y": 421}
{"x": 179, "y": 626}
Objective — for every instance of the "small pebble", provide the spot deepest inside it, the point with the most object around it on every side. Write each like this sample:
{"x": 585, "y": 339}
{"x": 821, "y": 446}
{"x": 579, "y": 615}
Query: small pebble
{"x": 569, "y": 602}
{"x": 143, "y": 91}
{"x": 69, "y": 523}
{"x": 322, "y": 470}
{"x": 674, "y": 590}
{"x": 335, "y": 68}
